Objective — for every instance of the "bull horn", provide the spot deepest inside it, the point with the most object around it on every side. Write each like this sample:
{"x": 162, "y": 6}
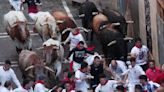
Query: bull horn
{"x": 115, "y": 24}
{"x": 82, "y": 28}
{"x": 128, "y": 38}
{"x": 29, "y": 67}
{"x": 111, "y": 43}
{"x": 46, "y": 67}
{"x": 59, "y": 21}
{"x": 13, "y": 25}
{"x": 82, "y": 15}
{"x": 40, "y": 48}
{"x": 65, "y": 30}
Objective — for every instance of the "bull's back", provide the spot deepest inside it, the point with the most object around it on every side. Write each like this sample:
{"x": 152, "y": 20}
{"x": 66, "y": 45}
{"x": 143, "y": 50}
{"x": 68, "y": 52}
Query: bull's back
{"x": 27, "y": 58}
{"x": 59, "y": 15}
{"x": 41, "y": 19}
{"x": 13, "y": 16}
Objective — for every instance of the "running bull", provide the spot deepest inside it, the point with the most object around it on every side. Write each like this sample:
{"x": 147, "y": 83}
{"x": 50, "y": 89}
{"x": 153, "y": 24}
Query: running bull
{"x": 32, "y": 66}
{"x": 16, "y": 26}
{"x": 110, "y": 27}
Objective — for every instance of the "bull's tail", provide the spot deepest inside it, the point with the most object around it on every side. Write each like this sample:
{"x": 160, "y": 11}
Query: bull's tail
{"x": 58, "y": 68}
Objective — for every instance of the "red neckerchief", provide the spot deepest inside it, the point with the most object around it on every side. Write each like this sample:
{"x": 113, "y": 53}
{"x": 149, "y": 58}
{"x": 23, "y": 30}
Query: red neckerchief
{"x": 39, "y": 81}
{"x": 78, "y": 32}
{"x": 91, "y": 48}
{"x": 138, "y": 46}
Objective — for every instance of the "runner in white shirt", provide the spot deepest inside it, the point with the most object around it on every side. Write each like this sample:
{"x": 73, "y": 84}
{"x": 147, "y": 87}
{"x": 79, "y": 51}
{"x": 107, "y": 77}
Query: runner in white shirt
{"x": 133, "y": 74}
{"x": 81, "y": 77}
{"x": 106, "y": 85}
{"x": 16, "y": 4}
{"x": 39, "y": 86}
{"x": 118, "y": 69}
{"x": 148, "y": 86}
{"x": 8, "y": 74}
{"x": 27, "y": 86}
{"x": 141, "y": 52}
{"x": 7, "y": 87}
{"x": 74, "y": 37}
{"x": 4, "y": 89}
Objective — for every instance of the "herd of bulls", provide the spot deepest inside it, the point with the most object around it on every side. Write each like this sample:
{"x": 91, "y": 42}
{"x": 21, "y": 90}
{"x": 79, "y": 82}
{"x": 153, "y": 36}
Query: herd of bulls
{"x": 109, "y": 26}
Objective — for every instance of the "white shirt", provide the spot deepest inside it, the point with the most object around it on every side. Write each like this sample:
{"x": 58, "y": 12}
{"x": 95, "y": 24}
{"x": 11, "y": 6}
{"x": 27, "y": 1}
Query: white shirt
{"x": 74, "y": 39}
{"x": 110, "y": 86}
{"x": 134, "y": 73}
{"x": 151, "y": 85}
{"x": 40, "y": 88}
{"x": 16, "y": 4}
{"x": 141, "y": 54}
{"x": 4, "y": 89}
{"x": 23, "y": 90}
{"x": 120, "y": 70}
{"x": 8, "y": 76}
{"x": 80, "y": 83}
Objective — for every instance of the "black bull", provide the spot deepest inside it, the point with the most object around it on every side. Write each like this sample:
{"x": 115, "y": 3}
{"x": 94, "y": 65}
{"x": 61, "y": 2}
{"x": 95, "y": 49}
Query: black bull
{"x": 87, "y": 9}
{"x": 106, "y": 35}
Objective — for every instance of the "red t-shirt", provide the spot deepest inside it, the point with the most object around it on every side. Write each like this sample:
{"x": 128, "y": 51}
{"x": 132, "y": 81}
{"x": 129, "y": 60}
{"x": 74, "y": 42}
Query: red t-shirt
{"x": 159, "y": 78}
{"x": 153, "y": 73}
{"x": 32, "y": 9}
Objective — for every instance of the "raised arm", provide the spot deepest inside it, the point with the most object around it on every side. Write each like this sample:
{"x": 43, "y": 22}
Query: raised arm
{"x": 15, "y": 79}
